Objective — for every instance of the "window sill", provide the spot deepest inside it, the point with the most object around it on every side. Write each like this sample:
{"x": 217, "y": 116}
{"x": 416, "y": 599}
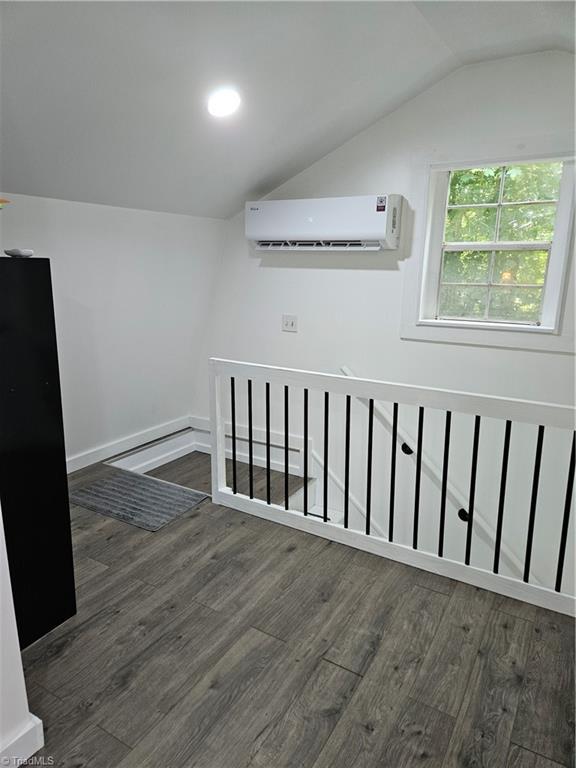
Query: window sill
{"x": 528, "y": 337}
{"x": 479, "y": 325}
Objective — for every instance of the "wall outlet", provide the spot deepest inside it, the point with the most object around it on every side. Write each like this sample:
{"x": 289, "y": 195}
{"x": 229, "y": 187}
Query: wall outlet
{"x": 290, "y": 323}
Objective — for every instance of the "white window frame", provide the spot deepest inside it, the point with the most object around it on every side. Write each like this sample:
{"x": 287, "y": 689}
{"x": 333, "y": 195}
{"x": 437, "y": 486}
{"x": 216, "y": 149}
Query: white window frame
{"x": 557, "y": 263}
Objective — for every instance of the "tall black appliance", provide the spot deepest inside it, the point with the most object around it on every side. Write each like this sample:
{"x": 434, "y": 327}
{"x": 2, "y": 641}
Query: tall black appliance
{"x": 33, "y": 482}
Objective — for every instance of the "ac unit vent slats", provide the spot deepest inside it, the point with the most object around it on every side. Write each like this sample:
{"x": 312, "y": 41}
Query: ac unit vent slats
{"x": 318, "y": 245}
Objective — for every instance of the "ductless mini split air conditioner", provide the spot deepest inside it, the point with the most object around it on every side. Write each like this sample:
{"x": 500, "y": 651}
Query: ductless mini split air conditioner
{"x": 364, "y": 223}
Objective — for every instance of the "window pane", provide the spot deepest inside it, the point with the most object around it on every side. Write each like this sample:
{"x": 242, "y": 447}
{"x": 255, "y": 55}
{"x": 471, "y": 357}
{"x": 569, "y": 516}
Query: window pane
{"x": 458, "y": 301}
{"x": 527, "y": 222}
{"x": 537, "y": 181}
{"x": 474, "y": 185}
{"x": 466, "y": 266}
{"x": 473, "y": 225}
{"x": 520, "y": 267}
{"x": 519, "y": 304}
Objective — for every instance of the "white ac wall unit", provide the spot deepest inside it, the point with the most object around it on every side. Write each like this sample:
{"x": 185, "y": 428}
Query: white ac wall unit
{"x": 364, "y": 223}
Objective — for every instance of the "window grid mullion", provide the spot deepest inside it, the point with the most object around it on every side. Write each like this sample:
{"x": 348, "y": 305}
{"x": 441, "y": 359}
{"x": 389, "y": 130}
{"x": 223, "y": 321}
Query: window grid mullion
{"x": 504, "y": 245}
{"x": 439, "y": 284}
{"x": 491, "y": 278}
{"x": 494, "y": 285}
{"x": 500, "y": 198}
{"x": 544, "y": 285}
{"x": 446, "y": 207}
{"x": 504, "y": 203}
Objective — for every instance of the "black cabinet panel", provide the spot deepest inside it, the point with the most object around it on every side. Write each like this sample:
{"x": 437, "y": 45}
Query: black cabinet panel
{"x": 33, "y": 482}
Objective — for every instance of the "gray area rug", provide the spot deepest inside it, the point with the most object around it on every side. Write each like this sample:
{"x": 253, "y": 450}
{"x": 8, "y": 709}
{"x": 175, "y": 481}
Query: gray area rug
{"x": 137, "y": 499}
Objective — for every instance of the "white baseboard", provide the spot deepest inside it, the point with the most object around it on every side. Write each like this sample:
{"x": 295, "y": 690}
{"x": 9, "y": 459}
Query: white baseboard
{"x": 196, "y": 438}
{"x": 115, "y": 447}
{"x": 157, "y": 454}
{"x": 154, "y": 456}
{"x": 24, "y": 745}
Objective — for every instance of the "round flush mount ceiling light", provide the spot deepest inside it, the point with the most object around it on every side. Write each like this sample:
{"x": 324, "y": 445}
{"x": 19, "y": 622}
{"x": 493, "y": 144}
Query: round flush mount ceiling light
{"x": 223, "y": 102}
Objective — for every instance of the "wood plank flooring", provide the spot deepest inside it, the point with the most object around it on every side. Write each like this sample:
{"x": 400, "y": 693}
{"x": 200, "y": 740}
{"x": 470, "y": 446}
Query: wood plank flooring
{"x": 227, "y": 641}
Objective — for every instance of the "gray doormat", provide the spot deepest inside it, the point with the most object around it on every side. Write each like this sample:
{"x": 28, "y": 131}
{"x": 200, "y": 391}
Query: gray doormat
{"x": 137, "y": 499}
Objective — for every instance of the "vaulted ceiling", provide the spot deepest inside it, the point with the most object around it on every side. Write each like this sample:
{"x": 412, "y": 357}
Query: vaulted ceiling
{"x": 105, "y": 102}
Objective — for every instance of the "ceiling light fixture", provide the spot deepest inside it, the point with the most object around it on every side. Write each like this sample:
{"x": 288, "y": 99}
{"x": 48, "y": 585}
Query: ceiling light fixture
{"x": 223, "y": 102}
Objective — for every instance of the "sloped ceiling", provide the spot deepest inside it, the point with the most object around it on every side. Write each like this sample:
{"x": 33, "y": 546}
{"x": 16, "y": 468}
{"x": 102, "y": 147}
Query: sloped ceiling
{"x": 104, "y": 102}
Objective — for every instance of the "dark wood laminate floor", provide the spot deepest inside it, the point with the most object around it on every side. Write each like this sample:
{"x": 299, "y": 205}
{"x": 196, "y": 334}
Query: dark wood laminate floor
{"x": 226, "y": 641}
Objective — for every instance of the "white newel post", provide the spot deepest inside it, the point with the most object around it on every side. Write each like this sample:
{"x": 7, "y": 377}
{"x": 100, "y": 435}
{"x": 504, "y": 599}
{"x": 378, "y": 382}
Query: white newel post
{"x": 21, "y": 733}
{"x": 217, "y": 429}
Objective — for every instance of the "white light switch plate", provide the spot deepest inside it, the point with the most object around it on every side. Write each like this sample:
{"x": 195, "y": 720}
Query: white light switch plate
{"x": 290, "y": 323}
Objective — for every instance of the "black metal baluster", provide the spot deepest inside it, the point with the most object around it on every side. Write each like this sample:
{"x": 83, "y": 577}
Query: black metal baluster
{"x": 347, "y": 464}
{"x": 233, "y": 418}
{"x": 268, "y": 483}
{"x": 250, "y": 442}
{"x": 369, "y": 465}
{"x": 326, "y": 417}
{"x": 473, "y": 470}
{"x": 418, "y": 477}
{"x": 305, "y": 451}
{"x": 393, "y": 472}
{"x": 503, "y": 476}
{"x": 533, "y": 502}
{"x": 566, "y": 518}
{"x": 286, "y": 448}
{"x": 444, "y": 483}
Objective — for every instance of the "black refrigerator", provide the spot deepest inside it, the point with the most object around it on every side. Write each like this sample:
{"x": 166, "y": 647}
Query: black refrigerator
{"x": 33, "y": 482}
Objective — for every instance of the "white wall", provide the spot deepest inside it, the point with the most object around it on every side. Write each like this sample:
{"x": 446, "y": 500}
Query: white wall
{"x": 20, "y": 732}
{"x": 349, "y": 306}
{"x": 131, "y": 292}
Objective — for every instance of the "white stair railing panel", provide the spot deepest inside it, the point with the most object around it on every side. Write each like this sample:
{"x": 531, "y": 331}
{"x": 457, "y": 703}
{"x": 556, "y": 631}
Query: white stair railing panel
{"x": 515, "y": 542}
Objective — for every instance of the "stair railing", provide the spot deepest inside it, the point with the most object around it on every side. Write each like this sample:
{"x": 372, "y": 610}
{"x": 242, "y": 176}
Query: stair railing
{"x": 233, "y": 383}
{"x": 453, "y": 494}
